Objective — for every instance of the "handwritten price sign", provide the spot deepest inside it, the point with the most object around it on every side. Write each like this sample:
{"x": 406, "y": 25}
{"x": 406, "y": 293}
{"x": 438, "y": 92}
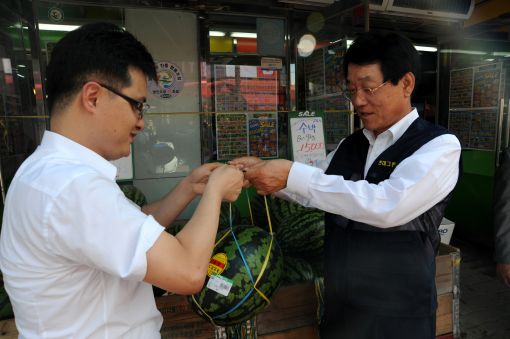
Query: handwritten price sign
{"x": 307, "y": 133}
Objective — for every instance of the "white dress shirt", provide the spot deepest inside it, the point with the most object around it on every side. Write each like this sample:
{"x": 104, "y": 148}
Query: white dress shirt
{"x": 73, "y": 248}
{"x": 416, "y": 184}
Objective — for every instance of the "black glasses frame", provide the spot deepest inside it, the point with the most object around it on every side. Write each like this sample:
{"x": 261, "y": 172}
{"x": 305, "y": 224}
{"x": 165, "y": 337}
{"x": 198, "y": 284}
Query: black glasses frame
{"x": 140, "y": 106}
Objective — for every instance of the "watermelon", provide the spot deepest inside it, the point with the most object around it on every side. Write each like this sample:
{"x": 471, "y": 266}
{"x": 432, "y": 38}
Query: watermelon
{"x": 134, "y": 194}
{"x": 303, "y": 234}
{"x": 238, "y": 285}
{"x": 224, "y": 222}
{"x": 297, "y": 270}
{"x": 280, "y": 211}
{"x": 228, "y": 211}
{"x": 258, "y": 210}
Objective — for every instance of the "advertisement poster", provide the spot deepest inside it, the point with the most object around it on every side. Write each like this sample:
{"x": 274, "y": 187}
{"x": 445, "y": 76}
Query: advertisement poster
{"x": 263, "y": 135}
{"x": 231, "y": 136}
{"x": 307, "y": 136}
{"x": 474, "y": 105}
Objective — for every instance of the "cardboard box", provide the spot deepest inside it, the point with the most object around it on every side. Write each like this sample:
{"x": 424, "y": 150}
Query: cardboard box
{"x": 446, "y": 230}
{"x": 448, "y": 290}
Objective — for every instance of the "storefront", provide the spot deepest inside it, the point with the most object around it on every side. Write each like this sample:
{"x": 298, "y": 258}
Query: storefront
{"x": 231, "y": 74}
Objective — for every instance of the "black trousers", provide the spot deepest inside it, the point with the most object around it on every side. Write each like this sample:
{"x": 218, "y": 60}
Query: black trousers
{"x": 378, "y": 285}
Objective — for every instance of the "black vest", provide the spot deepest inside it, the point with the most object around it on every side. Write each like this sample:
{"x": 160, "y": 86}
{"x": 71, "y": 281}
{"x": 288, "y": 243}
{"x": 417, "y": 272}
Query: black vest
{"x": 349, "y": 162}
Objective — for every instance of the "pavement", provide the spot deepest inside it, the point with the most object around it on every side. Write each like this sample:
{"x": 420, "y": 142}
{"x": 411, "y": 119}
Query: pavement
{"x": 484, "y": 301}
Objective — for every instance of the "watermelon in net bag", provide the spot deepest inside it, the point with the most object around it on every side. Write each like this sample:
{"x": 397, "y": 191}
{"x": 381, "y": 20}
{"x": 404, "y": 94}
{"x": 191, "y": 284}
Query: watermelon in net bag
{"x": 244, "y": 272}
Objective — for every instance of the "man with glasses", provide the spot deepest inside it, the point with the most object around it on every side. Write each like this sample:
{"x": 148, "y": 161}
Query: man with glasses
{"x": 384, "y": 190}
{"x": 78, "y": 258}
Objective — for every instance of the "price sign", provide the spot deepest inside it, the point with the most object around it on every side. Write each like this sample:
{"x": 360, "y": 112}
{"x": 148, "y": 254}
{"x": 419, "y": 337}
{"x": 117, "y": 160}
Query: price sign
{"x": 307, "y": 136}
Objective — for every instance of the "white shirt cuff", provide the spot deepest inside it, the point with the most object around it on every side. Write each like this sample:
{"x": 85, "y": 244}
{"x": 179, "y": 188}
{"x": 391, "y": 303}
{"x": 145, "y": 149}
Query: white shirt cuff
{"x": 299, "y": 179}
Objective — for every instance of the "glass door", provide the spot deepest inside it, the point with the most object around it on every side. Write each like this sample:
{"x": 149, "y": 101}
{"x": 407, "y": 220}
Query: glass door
{"x": 477, "y": 104}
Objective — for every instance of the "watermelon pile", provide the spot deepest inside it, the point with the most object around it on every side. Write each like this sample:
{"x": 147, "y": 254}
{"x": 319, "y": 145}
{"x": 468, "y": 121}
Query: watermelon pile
{"x": 230, "y": 212}
{"x": 300, "y": 233}
{"x": 244, "y": 272}
{"x": 134, "y": 194}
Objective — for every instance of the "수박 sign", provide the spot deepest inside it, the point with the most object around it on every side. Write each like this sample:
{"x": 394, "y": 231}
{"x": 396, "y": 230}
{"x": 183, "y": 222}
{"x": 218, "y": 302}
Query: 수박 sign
{"x": 307, "y": 136}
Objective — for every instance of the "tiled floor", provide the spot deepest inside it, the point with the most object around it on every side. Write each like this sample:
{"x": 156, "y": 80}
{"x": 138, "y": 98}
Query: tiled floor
{"x": 484, "y": 300}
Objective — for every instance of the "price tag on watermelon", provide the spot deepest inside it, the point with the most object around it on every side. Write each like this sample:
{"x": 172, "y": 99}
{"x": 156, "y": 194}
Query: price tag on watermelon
{"x": 220, "y": 284}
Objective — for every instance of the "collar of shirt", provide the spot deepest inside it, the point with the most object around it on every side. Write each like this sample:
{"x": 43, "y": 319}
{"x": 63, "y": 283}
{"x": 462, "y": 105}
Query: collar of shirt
{"x": 387, "y": 138}
{"x": 56, "y": 142}
{"x": 396, "y": 130}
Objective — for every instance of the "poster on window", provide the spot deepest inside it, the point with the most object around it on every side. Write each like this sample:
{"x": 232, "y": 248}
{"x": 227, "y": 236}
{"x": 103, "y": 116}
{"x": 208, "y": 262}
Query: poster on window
{"x": 231, "y": 135}
{"x": 242, "y": 134}
{"x": 474, "y": 105}
{"x": 307, "y": 136}
{"x": 263, "y": 135}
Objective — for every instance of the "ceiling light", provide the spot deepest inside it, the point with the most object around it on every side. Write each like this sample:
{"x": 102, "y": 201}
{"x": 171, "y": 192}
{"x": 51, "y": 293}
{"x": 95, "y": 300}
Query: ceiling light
{"x": 503, "y": 54}
{"x": 53, "y": 27}
{"x": 425, "y": 48}
{"x": 216, "y": 33}
{"x": 322, "y": 3}
{"x": 243, "y": 35}
{"x": 306, "y": 45}
{"x": 462, "y": 51}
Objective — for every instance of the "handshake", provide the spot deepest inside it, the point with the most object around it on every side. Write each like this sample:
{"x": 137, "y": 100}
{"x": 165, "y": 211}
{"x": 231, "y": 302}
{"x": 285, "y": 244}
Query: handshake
{"x": 267, "y": 176}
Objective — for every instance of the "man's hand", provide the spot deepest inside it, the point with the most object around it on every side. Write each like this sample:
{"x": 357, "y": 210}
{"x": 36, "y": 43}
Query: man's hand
{"x": 503, "y": 271}
{"x": 268, "y": 176}
{"x": 199, "y": 176}
{"x": 245, "y": 162}
{"x": 228, "y": 180}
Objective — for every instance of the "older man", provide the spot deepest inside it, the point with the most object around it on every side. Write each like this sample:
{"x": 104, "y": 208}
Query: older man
{"x": 384, "y": 190}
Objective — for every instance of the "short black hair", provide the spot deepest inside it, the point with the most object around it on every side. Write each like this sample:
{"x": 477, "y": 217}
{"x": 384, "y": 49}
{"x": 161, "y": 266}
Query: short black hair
{"x": 100, "y": 50}
{"x": 394, "y": 52}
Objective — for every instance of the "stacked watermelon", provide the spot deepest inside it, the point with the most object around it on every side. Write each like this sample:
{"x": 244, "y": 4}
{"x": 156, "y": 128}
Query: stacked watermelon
{"x": 134, "y": 194}
{"x": 230, "y": 214}
{"x": 244, "y": 272}
{"x": 228, "y": 211}
{"x": 300, "y": 234}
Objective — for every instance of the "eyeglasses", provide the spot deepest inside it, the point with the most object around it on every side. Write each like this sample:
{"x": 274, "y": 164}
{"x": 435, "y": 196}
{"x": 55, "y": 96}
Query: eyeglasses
{"x": 351, "y": 93}
{"x": 140, "y": 106}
